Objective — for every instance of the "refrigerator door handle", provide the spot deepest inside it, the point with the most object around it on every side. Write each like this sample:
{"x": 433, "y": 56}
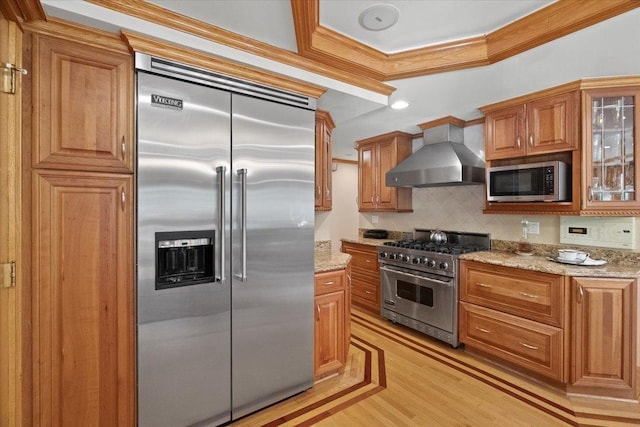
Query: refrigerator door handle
{"x": 243, "y": 222}
{"x": 221, "y": 171}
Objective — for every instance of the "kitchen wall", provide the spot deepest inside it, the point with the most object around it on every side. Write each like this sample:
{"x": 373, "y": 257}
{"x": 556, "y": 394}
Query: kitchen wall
{"x": 343, "y": 220}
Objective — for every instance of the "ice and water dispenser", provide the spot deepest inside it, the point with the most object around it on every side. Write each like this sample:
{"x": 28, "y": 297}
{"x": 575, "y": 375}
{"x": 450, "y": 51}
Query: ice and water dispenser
{"x": 184, "y": 258}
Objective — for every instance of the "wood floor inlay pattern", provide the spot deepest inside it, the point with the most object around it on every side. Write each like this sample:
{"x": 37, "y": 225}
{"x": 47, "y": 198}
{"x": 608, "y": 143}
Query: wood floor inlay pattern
{"x": 397, "y": 377}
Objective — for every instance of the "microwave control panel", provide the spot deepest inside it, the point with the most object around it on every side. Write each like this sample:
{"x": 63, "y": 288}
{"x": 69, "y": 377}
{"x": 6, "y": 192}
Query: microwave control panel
{"x": 611, "y": 232}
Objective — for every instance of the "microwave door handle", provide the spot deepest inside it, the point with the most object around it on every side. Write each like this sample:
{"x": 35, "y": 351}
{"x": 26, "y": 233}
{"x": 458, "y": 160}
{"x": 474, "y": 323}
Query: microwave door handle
{"x": 221, "y": 171}
{"x": 243, "y": 223}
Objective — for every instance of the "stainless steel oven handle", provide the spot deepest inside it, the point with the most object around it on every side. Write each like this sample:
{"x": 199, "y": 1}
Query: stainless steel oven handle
{"x": 393, "y": 270}
{"x": 221, "y": 171}
{"x": 243, "y": 222}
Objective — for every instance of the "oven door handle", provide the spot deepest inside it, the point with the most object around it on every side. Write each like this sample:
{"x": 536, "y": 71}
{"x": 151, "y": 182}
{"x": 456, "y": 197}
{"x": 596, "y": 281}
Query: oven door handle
{"x": 393, "y": 270}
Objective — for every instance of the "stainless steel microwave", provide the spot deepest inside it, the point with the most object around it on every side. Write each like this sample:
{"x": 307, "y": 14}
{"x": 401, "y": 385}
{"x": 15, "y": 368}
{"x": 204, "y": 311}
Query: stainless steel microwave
{"x": 530, "y": 182}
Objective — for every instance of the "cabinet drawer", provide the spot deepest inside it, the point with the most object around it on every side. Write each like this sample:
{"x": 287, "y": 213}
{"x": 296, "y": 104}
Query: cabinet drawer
{"x": 365, "y": 291}
{"x": 529, "y": 344}
{"x": 330, "y": 281}
{"x": 364, "y": 261}
{"x": 533, "y": 295}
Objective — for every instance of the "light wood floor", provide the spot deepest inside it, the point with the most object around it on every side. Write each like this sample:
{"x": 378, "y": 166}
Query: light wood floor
{"x": 395, "y": 377}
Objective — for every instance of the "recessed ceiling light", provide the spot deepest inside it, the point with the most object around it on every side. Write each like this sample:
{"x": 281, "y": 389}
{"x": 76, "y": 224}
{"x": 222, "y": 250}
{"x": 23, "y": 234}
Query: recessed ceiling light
{"x": 379, "y": 17}
{"x": 399, "y": 105}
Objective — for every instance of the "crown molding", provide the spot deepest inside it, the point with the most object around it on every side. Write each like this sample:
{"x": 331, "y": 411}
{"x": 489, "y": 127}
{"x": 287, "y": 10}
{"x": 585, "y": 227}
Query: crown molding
{"x": 153, "y": 13}
{"x": 20, "y": 11}
{"x": 554, "y": 21}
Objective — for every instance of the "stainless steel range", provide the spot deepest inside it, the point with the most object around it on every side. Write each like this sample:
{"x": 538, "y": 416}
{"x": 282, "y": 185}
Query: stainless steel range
{"x": 419, "y": 279}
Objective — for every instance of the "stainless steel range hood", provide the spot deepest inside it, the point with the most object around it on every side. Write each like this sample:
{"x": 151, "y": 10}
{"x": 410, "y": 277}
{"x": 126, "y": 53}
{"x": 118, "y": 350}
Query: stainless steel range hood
{"x": 443, "y": 160}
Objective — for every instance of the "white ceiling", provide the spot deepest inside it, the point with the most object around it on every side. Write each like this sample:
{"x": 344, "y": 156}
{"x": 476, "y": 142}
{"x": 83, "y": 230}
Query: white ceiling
{"x": 603, "y": 49}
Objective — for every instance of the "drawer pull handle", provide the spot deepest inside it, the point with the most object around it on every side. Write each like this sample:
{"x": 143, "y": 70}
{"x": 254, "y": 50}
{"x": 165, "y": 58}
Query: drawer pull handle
{"x": 482, "y": 285}
{"x": 368, "y": 292}
{"x": 483, "y": 330}
{"x": 524, "y": 294}
{"x": 329, "y": 283}
{"x": 317, "y": 312}
{"x": 530, "y": 347}
{"x": 367, "y": 260}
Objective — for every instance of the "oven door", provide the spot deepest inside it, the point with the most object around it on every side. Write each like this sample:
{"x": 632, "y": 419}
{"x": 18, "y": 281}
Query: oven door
{"x": 425, "y": 297}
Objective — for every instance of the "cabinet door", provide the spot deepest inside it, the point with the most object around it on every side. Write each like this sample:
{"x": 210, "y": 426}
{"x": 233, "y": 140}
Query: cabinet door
{"x": 604, "y": 335}
{"x": 83, "y": 315}
{"x": 328, "y": 168}
{"x": 386, "y": 159}
{"x": 347, "y": 313}
{"x": 505, "y": 133}
{"x": 367, "y": 177}
{"x": 320, "y": 163}
{"x": 552, "y": 124}
{"x": 611, "y": 147}
{"x": 329, "y": 332}
{"x": 83, "y": 107}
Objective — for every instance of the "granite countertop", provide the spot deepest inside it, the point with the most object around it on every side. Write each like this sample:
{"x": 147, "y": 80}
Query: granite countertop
{"x": 543, "y": 264}
{"x": 326, "y": 260}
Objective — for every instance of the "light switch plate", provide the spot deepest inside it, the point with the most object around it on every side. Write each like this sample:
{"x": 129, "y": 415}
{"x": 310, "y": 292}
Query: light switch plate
{"x": 609, "y": 232}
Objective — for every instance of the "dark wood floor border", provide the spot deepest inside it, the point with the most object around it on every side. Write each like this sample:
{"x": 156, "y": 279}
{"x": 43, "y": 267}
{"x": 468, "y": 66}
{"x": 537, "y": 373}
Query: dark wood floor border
{"x": 469, "y": 372}
{"x": 352, "y": 389}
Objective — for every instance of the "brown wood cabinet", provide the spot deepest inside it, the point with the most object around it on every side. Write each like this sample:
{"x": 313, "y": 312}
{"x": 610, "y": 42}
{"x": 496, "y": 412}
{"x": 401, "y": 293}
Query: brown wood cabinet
{"x": 365, "y": 275}
{"x": 324, "y": 143}
{"x": 376, "y": 156}
{"x": 83, "y": 115}
{"x": 83, "y": 313}
{"x": 540, "y": 126}
{"x": 516, "y": 315}
{"x": 604, "y": 317}
{"x": 611, "y": 177}
{"x": 333, "y": 323}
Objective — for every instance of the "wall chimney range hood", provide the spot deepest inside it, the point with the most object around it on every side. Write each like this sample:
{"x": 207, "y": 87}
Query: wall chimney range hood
{"x": 443, "y": 160}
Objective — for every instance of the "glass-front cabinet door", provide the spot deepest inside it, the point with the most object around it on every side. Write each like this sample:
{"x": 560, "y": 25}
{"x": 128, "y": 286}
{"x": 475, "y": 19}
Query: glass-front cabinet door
{"x": 611, "y": 150}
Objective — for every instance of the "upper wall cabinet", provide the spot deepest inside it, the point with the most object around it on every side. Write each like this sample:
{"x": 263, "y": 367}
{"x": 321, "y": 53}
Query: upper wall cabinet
{"x": 599, "y": 142}
{"x": 324, "y": 143}
{"x": 376, "y": 157}
{"x": 540, "y": 126}
{"x": 83, "y": 107}
{"x": 610, "y": 124}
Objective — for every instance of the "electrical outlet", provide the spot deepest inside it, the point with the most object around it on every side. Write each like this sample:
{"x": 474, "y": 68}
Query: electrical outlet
{"x": 374, "y": 219}
{"x": 534, "y": 227}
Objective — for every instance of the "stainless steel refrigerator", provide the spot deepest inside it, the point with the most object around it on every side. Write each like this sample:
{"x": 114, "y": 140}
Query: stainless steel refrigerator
{"x": 225, "y": 222}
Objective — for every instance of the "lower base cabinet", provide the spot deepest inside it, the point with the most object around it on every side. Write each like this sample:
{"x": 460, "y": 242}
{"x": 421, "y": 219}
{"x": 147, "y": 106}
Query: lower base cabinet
{"x": 332, "y": 321}
{"x": 83, "y": 308}
{"x": 604, "y": 320}
{"x": 580, "y": 332}
{"x": 365, "y": 274}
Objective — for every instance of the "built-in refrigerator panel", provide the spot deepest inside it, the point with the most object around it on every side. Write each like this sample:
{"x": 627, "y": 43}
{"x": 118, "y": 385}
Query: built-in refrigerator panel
{"x": 272, "y": 310}
{"x": 184, "y": 339}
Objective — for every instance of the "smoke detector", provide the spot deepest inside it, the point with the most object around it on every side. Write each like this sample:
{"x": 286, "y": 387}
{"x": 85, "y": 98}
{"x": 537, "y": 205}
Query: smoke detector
{"x": 379, "y": 17}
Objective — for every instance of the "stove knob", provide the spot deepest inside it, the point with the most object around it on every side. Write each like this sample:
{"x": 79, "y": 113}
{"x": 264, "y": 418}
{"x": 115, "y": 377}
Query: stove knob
{"x": 392, "y": 256}
{"x": 443, "y": 265}
{"x": 415, "y": 260}
{"x": 402, "y": 257}
{"x": 431, "y": 263}
{"x": 383, "y": 254}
